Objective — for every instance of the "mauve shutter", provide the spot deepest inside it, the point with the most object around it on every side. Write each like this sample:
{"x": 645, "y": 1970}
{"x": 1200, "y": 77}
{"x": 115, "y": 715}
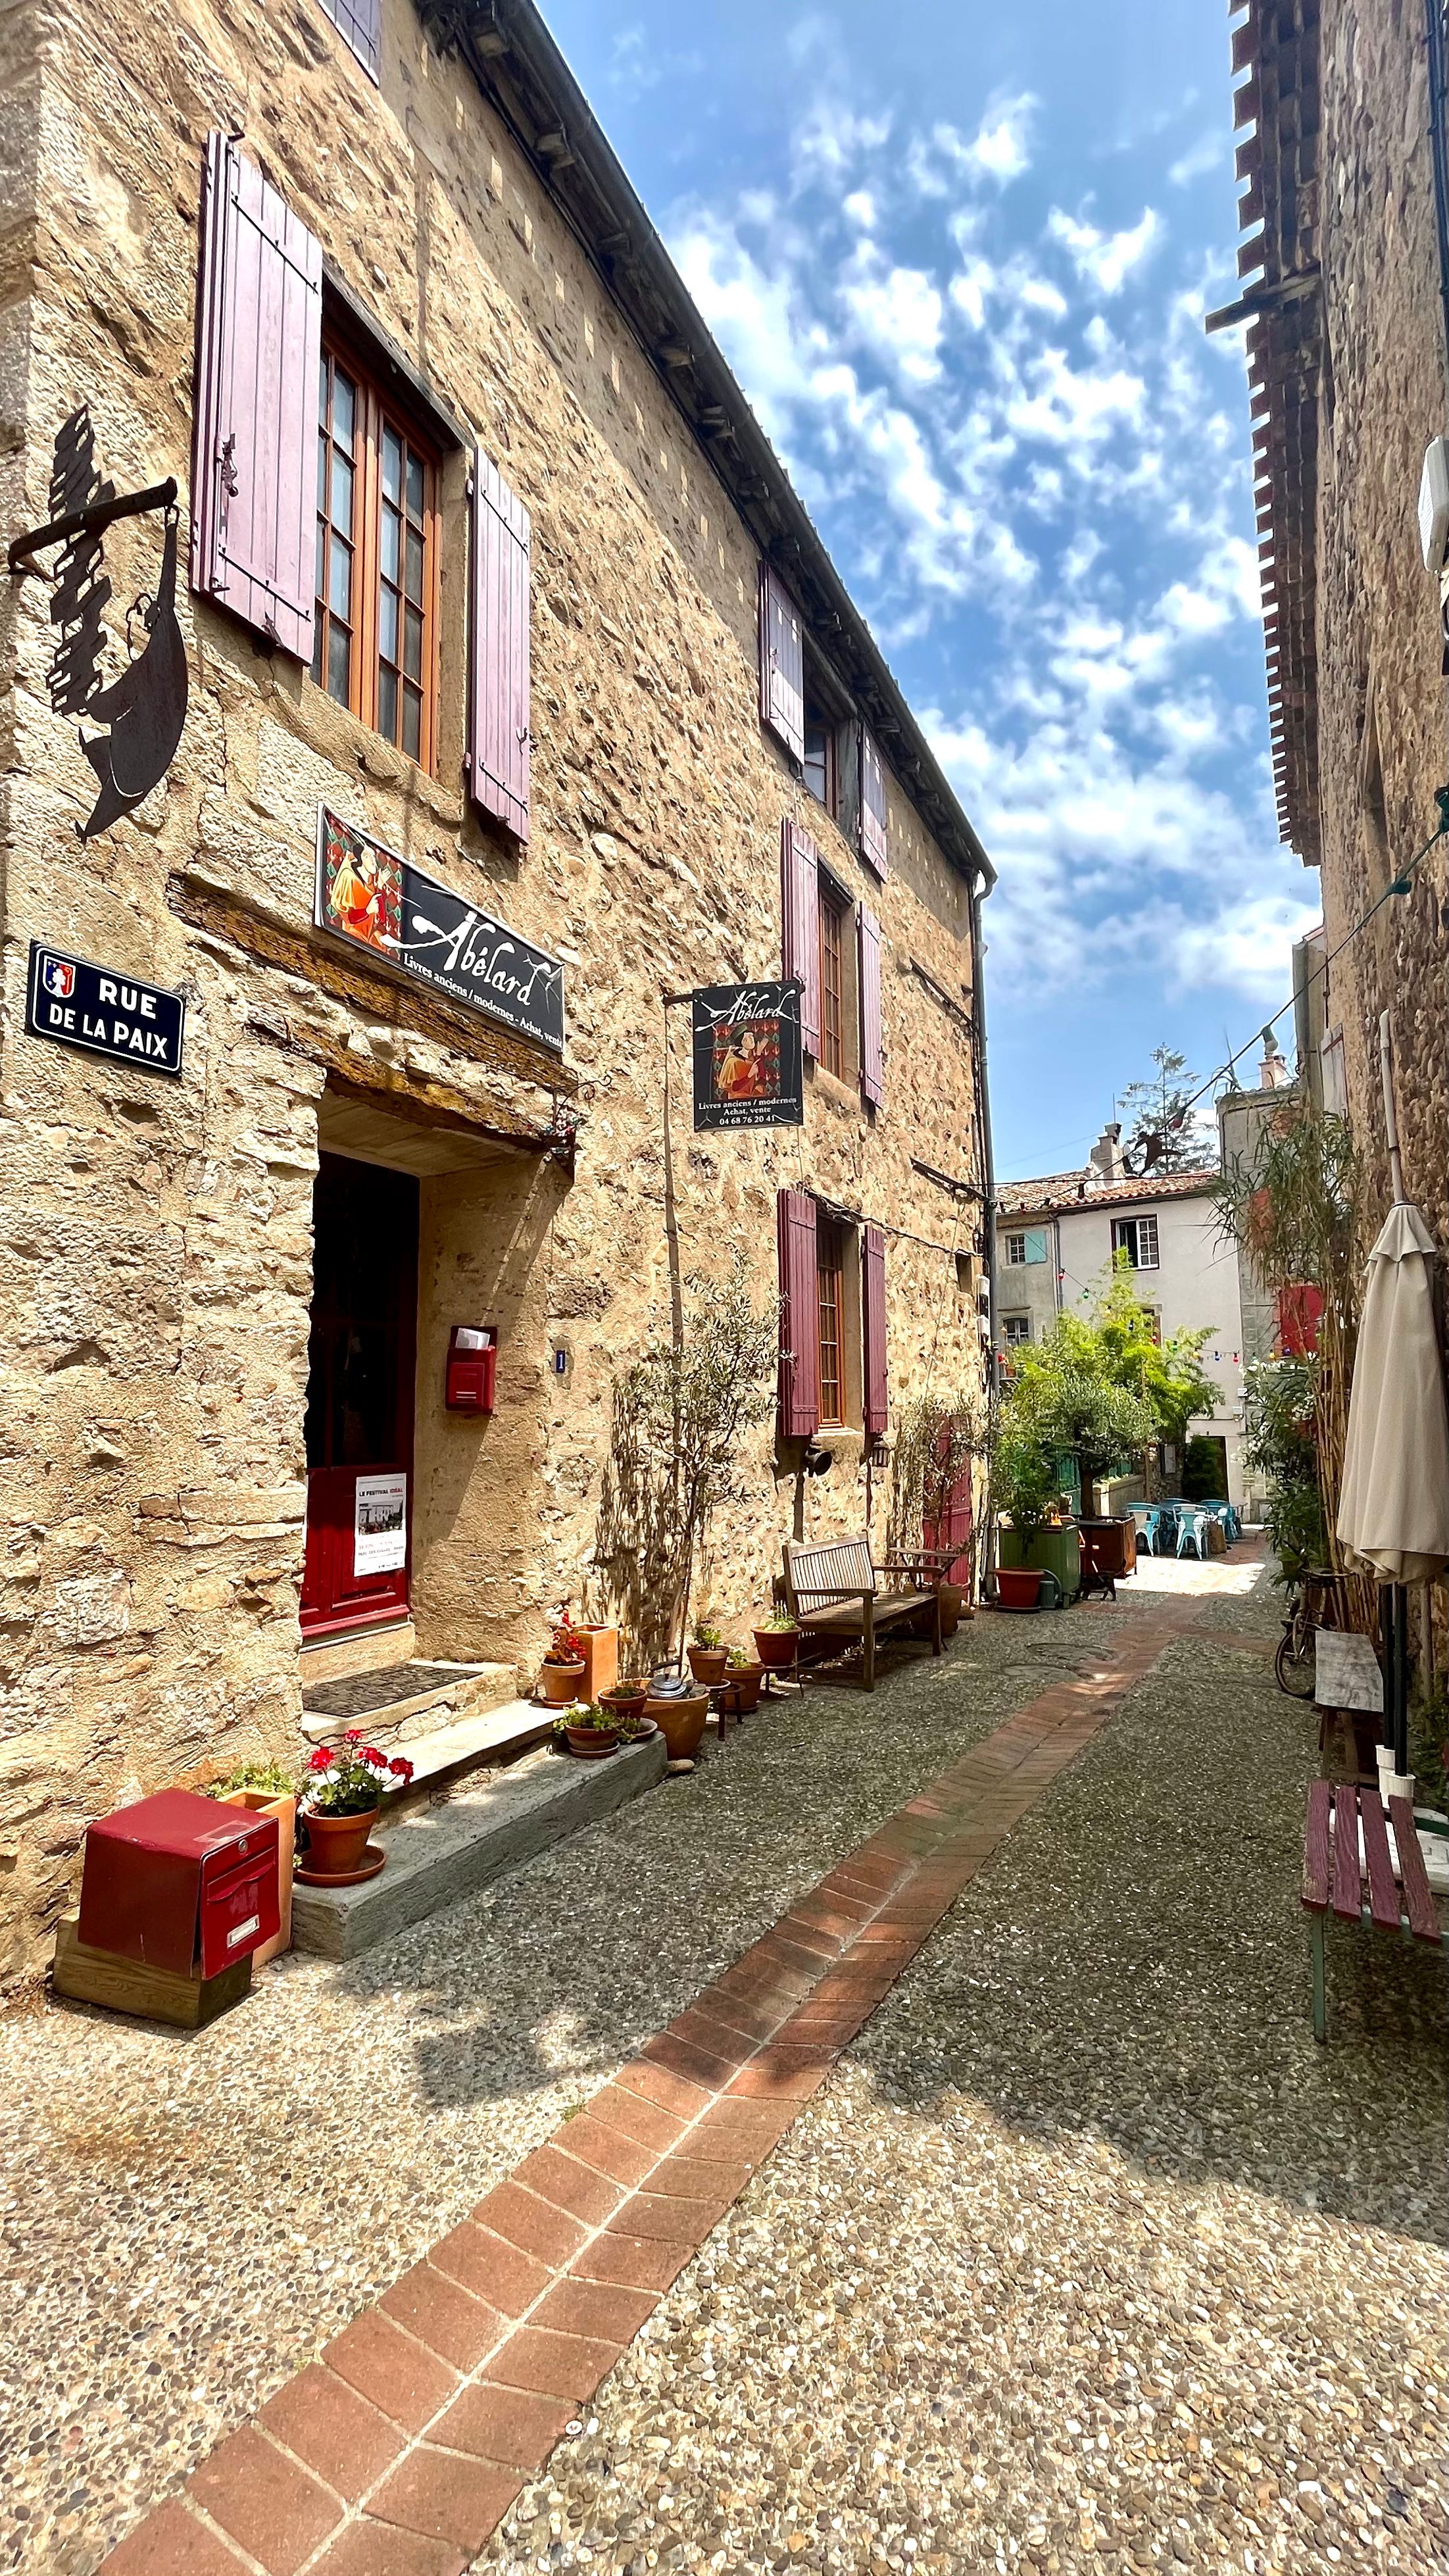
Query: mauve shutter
{"x": 782, "y": 663}
{"x": 872, "y": 1065}
{"x": 877, "y": 1408}
{"x": 498, "y": 726}
{"x": 874, "y": 836}
{"x": 359, "y": 23}
{"x": 258, "y": 350}
{"x": 799, "y": 1317}
{"x": 800, "y": 912}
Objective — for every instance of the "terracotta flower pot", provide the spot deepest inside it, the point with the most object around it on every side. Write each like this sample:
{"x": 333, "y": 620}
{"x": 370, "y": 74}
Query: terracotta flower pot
{"x": 260, "y": 1802}
{"x": 624, "y": 1703}
{"x": 1018, "y": 1587}
{"x": 681, "y": 1723}
{"x": 709, "y": 1664}
{"x": 776, "y": 1648}
{"x": 592, "y": 1741}
{"x": 742, "y": 1690}
{"x": 953, "y": 1602}
{"x": 558, "y": 1684}
{"x": 337, "y": 1843}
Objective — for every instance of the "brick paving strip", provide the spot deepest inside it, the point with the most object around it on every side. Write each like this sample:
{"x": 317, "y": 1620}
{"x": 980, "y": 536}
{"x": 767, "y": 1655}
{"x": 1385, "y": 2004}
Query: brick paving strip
{"x": 400, "y": 2451}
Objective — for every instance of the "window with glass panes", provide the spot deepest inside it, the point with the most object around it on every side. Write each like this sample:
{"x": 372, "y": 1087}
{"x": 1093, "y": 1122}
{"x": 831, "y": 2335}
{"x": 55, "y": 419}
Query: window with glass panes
{"x": 830, "y": 1296}
{"x": 832, "y": 984}
{"x": 375, "y": 636}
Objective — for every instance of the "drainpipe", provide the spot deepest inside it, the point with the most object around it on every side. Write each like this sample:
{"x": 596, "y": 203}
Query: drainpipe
{"x": 986, "y": 1550}
{"x": 1439, "y": 147}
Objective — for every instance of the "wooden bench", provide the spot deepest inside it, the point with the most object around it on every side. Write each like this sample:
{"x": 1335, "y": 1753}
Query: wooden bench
{"x": 1333, "y": 1875}
{"x": 833, "y": 1589}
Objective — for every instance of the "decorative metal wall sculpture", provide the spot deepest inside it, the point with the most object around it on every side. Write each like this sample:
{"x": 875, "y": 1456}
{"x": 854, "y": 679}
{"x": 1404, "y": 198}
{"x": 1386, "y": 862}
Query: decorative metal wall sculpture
{"x": 146, "y": 707}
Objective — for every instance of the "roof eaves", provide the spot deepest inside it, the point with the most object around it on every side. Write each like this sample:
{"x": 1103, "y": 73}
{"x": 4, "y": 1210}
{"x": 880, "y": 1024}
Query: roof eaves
{"x": 521, "y": 71}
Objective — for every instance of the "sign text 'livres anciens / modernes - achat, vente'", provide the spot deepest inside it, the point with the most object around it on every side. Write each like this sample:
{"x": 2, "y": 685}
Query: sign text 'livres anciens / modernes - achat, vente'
{"x": 372, "y": 898}
{"x": 104, "y": 1010}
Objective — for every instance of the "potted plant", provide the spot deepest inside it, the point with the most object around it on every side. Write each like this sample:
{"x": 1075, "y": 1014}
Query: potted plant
{"x": 589, "y": 1730}
{"x": 707, "y": 1656}
{"x": 626, "y": 1700}
{"x": 268, "y": 1789}
{"x": 744, "y": 1678}
{"x": 775, "y": 1641}
{"x": 679, "y": 1713}
{"x": 341, "y": 1798}
{"x": 563, "y": 1666}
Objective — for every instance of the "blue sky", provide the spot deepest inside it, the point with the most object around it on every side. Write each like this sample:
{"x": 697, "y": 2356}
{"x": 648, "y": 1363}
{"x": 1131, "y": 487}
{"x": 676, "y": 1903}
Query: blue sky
{"x": 961, "y": 272}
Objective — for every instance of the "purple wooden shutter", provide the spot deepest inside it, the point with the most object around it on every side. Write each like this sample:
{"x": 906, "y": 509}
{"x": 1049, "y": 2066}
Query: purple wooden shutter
{"x": 800, "y": 909}
{"x": 874, "y": 833}
{"x": 877, "y": 1408}
{"x": 782, "y": 663}
{"x": 359, "y": 23}
{"x": 799, "y": 1317}
{"x": 258, "y": 350}
{"x": 872, "y": 1064}
{"x": 498, "y": 712}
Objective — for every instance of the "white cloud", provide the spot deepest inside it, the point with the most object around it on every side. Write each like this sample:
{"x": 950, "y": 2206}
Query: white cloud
{"x": 1104, "y": 260}
{"x": 1206, "y": 154}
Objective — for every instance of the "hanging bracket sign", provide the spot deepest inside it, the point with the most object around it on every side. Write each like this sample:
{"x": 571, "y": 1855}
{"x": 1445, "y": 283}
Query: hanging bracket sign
{"x": 103, "y": 1010}
{"x": 748, "y": 1066}
{"x": 371, "y": 898}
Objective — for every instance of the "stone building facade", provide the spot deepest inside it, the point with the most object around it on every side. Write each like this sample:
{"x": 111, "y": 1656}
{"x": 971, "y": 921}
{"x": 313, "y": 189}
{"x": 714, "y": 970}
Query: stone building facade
{"x": 1345, "y": 258}
{"x": 223, "y": 1287}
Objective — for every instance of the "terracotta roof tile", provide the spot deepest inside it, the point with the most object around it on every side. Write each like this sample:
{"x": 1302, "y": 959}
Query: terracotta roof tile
{"x": 1061, "y": 1193}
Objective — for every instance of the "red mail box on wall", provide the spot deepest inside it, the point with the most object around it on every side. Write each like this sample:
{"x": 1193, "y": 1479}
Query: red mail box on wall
{"x": 472, "y": 1361}
{"x": 181, "y": 1883}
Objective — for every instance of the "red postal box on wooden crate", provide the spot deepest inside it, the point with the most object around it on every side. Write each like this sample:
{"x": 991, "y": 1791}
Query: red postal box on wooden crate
{"x": 181, "y": 1883}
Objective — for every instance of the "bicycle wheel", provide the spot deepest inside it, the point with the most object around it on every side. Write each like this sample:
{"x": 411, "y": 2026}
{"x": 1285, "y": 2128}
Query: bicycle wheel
{"x": 1293, "y": 1663}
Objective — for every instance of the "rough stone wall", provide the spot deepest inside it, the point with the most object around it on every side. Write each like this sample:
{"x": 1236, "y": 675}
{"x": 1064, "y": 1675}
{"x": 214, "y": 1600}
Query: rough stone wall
{"x": 1381, "y": 692}
{"x": 155, "y": 1238}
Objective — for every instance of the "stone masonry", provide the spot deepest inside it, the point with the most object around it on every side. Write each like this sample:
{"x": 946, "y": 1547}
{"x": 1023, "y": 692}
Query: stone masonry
{"x": 155, "y": 1238}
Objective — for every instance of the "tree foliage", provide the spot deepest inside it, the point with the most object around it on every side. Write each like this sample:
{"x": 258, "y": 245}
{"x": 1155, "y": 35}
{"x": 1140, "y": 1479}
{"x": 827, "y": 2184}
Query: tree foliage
{"x": 1097, "y": 1387}
{"x": 1169, "y": 1374}
{"x": 1161, "y": 1106}
{"x": 1282, "y": 1445}
{"x": 936, "y": 1438}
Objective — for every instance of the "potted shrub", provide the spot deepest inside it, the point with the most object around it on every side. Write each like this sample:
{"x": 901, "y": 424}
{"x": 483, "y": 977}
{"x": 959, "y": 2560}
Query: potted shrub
{"x": 268, "y": 1790}
{"x": 589, "y": 1730}
{"x": 562, "y": 1670}
{"x": 341, "y": 1798}
{"x": 744, "y": 1678}
{"x": 775, "y": 1641}
{"x": 679, "y": 1713}
{"x": 707, "y": 1656}
{"x": 626, "y": 1700}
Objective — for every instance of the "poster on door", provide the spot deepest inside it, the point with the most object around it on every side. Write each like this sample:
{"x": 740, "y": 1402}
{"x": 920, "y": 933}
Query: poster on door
{"x": 380, "y": 1525}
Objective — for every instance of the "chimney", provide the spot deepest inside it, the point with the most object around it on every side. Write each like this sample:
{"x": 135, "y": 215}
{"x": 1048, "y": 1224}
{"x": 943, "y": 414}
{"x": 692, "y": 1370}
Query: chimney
{"x": 1105, "y": 1157}
{"x": 1273, "y": 1072}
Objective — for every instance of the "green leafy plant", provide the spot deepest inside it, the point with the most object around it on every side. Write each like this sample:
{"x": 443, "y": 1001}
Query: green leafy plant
{"x": 741, "y": 1660}
{"x": 937, "y": 1439}
{"x": 1168, "y": 1375}
{"x": 1064, "y": 1401}
{"x": 351, "y": 1778}
{"x": 710, "y": 1638}
{"x": 1280, "y": 1410}
{"x": 778, "y": 1622}
{"x": 270, "y": 1777}
{"x": 1025, "y": 1479}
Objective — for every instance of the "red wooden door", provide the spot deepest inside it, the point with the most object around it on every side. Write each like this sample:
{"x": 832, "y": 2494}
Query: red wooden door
{"x": 361, "y": 1360}
{"x": 954, "y": 1528}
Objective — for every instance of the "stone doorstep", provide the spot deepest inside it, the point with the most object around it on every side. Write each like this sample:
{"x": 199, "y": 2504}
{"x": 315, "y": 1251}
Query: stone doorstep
{"x": 403, "y": 1701}
{"x": 446, "y": 1851}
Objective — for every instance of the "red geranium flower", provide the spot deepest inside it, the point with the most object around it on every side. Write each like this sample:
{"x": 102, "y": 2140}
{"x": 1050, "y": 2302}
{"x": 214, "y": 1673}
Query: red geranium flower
{"x": 402, "y": 1770}
{"x": 321, "y": 1759}
{"x": 371, "y": 1754}
{"x": 353, "y": 1735}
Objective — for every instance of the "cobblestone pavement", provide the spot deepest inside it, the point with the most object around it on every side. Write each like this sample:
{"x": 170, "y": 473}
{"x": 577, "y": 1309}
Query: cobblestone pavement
{"x": 1087, "y": 2256}
{"x": 186, "y": 2219}
{"x": 1084, "y": 2218}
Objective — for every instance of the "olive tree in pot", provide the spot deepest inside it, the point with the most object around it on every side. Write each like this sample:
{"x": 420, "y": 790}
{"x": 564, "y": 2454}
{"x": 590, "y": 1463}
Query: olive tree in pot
{"x": 682, "y": 1416}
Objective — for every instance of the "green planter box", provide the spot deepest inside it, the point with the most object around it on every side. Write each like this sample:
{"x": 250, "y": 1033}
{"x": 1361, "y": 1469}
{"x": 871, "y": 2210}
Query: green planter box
{"x": 1059, "y": 1550}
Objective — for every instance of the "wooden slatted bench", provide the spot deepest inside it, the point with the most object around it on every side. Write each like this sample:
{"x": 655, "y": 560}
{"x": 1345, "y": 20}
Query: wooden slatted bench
{"x": 1333, "y": 1875}
{"x": 833, "y": 1588}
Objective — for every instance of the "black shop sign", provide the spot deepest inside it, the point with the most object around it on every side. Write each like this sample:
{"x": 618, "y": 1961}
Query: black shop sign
{"x": 372, "y": 898}
{"x": 103, "y": 1010}
{"x": 748, "y": 1066}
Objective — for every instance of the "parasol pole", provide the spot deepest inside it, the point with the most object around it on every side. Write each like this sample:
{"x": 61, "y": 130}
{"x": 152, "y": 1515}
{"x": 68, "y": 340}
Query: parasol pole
{"x": 1396, "y": 1596}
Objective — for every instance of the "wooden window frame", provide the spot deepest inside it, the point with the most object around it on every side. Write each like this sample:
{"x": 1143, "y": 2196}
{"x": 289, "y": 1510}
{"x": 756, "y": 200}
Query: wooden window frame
{"x": 1013, "y": 1340}
{"x": 831, "y": 915}
{"x": 818, "y": 721}
{"x": 378, "y": 411}
{"x": 830, "y": 1322}
{"x": 1015, "y": 1260}
{"x": 1130, "y": 1234}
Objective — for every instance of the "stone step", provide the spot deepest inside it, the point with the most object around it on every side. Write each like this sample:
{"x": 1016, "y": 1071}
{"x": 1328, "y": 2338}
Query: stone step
{"x": 495, "y": 1732}
{"x": 484, "y": 1827}
{"x": 401, "y": 1703}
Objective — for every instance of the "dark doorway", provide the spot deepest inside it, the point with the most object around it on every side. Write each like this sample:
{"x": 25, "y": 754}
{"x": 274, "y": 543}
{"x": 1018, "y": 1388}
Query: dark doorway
{"x": 359, "y": 1431}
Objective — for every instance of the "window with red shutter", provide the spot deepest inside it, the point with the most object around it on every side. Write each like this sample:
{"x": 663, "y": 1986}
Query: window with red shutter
{"x": 876, "y": 1414}
{"x": 800, "y": 913}
{"x": 782, "y": 663}
{"x": 874, "y": 831}
{"x": 799, "y": 1316}
{"x": 259, "y": 339}
{"x": 498, "y": 677}
{"x": 872, "y": 1053}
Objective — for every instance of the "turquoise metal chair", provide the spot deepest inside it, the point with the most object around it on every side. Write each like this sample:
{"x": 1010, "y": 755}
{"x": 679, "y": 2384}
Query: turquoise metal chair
{"x": 1189, "y": 1530}
{"x": 1149, "y": 1526}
